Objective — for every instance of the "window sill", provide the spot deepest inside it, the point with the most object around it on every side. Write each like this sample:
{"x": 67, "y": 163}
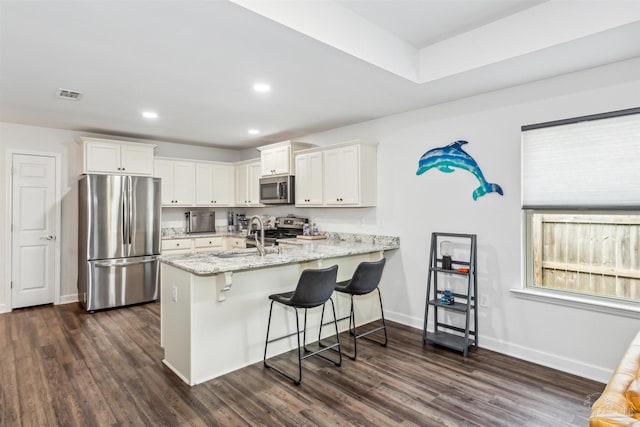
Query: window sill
{"x": 579, "y": 301}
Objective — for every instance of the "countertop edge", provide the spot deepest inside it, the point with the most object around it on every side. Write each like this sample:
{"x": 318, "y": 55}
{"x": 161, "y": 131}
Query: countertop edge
{"x": 272, "y": 260}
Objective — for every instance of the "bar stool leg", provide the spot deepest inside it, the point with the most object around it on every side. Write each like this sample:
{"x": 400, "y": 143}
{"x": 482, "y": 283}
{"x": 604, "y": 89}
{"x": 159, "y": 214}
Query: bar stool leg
{"x": 335, "y": 322}
{"x": 380, "y": 328}
{"x": 384, "y": 323}
{"x": 297, "y": 381}
{"x": 266, "y": 342}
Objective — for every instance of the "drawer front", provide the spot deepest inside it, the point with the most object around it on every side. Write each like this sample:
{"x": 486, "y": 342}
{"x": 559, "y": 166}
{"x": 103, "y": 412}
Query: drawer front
{"x": 177, "y": 244}
{"x": 209, "y": 242}
{"x": 238, "y": 243}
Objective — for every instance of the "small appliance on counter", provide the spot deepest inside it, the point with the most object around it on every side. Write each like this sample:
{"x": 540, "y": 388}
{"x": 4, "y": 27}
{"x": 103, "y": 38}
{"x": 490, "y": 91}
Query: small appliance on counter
{"x": 201, "y": 221}
{"x": 243, "y": 222}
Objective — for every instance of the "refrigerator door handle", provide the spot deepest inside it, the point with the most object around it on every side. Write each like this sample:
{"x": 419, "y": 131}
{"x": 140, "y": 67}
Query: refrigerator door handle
{"x": 124, "y": 264}
{"x": 125, "y": 219}
{"x": 130, "y": 211}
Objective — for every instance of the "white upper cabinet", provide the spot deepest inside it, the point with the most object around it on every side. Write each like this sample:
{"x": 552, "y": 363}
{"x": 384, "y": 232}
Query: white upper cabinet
{"x": 178, "y": 181}
{"x": 247, "y": 183}
{"x": 214, "y": 184}
{"x": 350, "y": 175}
{"x": 342, "y": 176}
{"x": 337, "y": 175}
{"x": 309, "y": 182}
{"x": 116, "y": 157}
{"x": 277, "y": 159}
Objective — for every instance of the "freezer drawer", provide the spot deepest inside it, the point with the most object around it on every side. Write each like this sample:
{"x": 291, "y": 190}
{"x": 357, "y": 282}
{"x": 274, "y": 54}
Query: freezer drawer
{"x": 114, "y": 283}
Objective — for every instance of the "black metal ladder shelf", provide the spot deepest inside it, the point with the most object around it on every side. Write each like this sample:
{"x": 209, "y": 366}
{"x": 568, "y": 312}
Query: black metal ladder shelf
{"x": 446, "y": 334}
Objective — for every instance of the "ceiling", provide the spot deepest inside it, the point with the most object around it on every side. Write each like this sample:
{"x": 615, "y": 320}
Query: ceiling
{"x": 329, "y": 63}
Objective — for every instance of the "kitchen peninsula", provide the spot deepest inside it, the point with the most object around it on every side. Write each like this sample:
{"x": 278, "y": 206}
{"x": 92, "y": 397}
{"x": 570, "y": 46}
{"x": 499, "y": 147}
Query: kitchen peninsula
{"x": 214, "y": 306}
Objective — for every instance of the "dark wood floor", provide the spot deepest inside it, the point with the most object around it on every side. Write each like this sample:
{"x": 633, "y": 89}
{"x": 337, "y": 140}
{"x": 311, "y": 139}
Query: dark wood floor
{"x": 60, "y": 366}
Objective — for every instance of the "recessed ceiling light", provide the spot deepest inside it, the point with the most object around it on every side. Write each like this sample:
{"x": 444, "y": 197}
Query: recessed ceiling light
{"x": 149, "y": 114}
{"x": 253, "y": 131}
{"x": 261, "y": 87}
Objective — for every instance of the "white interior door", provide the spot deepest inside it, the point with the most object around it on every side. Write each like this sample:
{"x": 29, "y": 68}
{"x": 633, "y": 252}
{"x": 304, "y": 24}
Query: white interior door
{"x": 33, "y": 230}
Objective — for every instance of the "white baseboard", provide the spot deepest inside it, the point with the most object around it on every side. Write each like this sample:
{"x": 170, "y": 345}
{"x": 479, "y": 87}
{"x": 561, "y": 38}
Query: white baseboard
{"x": 565, "y": 364}
{"x": 68, "y": 299}
{"x": 414, "y": 322}
{"x": 572, "y": 366}
{"x": 5, "y": 308}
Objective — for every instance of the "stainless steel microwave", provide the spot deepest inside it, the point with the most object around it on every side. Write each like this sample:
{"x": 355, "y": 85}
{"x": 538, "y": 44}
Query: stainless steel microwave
{"x": 276, "y": 190}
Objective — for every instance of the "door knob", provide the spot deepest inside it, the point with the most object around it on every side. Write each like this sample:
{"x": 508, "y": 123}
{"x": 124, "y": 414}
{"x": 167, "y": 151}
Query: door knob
{"x": 48, "y": 238}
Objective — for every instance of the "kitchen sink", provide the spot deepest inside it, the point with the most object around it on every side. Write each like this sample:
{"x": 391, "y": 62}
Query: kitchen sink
{"x": 247, "y": 252}
{"x": 236, "y": 254}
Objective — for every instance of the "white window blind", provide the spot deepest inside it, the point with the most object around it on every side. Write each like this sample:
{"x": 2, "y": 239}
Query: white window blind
{"x": 586, "y": 164}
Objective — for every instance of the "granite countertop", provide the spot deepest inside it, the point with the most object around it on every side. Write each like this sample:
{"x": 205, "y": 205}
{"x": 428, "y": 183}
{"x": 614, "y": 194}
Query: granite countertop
{"x": 336, "y": 245}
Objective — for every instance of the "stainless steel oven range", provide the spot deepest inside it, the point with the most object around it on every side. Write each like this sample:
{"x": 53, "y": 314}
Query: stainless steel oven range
{"x": 286, "y": 227}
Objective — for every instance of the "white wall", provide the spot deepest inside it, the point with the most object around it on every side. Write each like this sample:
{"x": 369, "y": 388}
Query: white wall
{"x": 20, "y": 137}
{"x": 410, "y": 206}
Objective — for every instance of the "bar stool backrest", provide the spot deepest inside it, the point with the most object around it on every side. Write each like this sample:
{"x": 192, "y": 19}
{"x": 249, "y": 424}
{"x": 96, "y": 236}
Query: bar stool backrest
{"x": 366, "y": 277}
{"x": 315, "y": 286}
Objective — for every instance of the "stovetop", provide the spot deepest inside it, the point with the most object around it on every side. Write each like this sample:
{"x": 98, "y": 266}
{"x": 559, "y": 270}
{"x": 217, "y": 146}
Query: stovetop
{"x": 281, "y": 234}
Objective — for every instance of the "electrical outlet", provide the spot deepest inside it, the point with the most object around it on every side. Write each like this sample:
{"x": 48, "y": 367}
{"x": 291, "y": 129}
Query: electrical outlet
{"x": 484, "y": 301}
{"x": 174, "y": 294}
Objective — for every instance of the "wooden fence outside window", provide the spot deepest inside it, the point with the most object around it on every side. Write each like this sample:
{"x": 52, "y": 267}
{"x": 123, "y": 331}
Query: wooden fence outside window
{"x": 595, "y": 254}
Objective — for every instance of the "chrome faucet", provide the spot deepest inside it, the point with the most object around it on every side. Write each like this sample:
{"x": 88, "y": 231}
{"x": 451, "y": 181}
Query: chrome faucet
{"x": 259, "y": 244}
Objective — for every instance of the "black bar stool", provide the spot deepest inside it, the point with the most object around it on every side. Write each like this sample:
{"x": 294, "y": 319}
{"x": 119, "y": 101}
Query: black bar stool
{"x": 314, "y": 288}
{"x": 365, "y": 280}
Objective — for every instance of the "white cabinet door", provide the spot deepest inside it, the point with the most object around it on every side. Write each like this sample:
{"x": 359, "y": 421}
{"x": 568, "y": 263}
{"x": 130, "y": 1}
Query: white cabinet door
{"x": 204, "y": 184}
{"x": 248, "y": 184}
{"x": 214, "y": 184}
{"x": 178, "y": 182}
{"x": 253, "y": 179}
{"x": 102, "y": 157}
{"x": 223, "y": 185}
{"x": 163, "y": 169}
{"x": 241, "y": 187}
{"x": 184, "y": 183}
{"x": 136, "y": 159}
{"x": 342, "y": 176}
{"x": 276, "y": 161}
{"x": 309, "y": 179}
{"x": 117, "y": 157}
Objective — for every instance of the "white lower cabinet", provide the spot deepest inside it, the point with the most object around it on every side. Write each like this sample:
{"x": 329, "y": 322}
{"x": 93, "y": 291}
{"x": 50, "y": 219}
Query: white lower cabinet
{"x": 176, "y": 246}
{"x": 237, "y": 242}
{"x": 203, "y": 244}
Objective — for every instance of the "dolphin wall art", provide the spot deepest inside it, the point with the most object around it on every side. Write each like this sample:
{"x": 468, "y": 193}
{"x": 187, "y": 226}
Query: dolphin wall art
{"x": 453, "y": 156}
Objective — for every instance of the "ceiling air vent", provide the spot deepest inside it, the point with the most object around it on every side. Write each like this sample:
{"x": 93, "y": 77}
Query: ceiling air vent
{"x": 72, "y": 95}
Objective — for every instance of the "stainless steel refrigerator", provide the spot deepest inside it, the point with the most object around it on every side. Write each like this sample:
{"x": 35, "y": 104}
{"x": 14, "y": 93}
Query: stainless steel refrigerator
{"x": 118, "y": 240}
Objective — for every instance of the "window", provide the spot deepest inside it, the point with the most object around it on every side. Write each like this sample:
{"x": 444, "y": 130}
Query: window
{"x": 591, "y": 253}
{"x": 581, "y": 199}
